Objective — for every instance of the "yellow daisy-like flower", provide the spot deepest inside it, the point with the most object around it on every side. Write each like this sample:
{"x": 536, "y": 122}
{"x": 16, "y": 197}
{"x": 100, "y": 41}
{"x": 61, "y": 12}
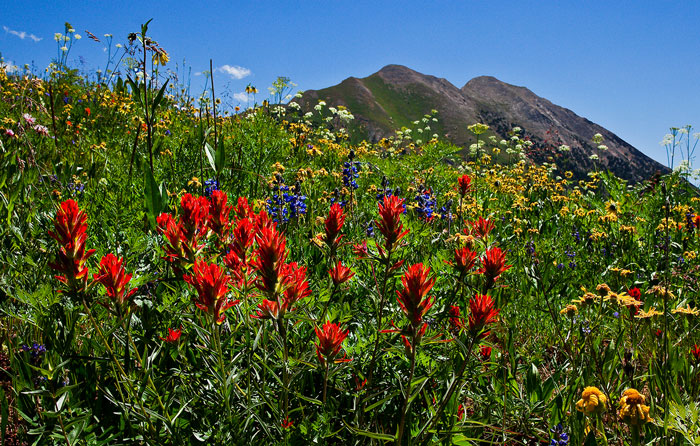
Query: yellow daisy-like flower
{"x": 587, "y": 298}
{"x": 687, "y": 310}
{"x": 602, "y": 289}
{"x": 592, "y": 401}
{"x": 662, "y": 292}
{"x": 633, "y": 411}
{"x": 648, "y": 314}
{"x": 194, "y": 182}
{"x": 570, "y": 310}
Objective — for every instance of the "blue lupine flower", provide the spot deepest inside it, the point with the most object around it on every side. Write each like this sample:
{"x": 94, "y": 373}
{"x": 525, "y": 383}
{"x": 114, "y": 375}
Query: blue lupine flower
{"x": 425, "y": 203}
{"x": 284, "y": 205}
{"x": 560, "y": 438}
{"x": 210, "y": 186}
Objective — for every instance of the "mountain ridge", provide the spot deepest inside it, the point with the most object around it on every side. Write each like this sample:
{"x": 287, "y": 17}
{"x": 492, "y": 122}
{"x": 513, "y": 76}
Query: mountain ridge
{"x": 396, "y": 95}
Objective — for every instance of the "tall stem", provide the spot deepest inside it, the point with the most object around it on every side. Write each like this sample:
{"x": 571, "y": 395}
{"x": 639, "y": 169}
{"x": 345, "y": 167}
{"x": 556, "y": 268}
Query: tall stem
{"x": 370, "y": 374}
{"x": 404, "y": 409}
{"x": 458, "y": 377}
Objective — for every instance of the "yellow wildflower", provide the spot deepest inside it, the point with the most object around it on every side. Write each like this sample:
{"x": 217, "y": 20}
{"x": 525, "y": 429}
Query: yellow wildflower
{"x": 633, "y": 411}
{"x": 592, "y": 401}
{"x": 569, "y": 310}
{"x": 687, "y": 311}
{"x": 660, "y": 291}
{"x": 648, "y": 314}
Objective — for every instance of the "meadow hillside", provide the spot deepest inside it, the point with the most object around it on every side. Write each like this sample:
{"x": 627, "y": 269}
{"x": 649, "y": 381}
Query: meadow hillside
{"x": 172, "y": 272}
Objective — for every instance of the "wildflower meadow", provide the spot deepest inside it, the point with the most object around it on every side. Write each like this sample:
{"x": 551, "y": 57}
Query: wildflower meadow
{"x": 176, "y": 271}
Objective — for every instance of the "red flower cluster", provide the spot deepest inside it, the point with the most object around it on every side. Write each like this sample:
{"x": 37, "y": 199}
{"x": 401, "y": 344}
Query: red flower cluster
{"x": 184, "y": 236}
{"x": 340, "y": 274}
{"x": 333, "y": 224}
{"x": 283, "y": 283}
{"x": 482, "y": 314}
{"x": 485, "y": 353}
{"x": 464, "y": 261}
{"x": 696, "y": 352}
{"x": 219, "y": 215}
{"x": 417, "y": 283}
{"x": 389, "y": 223}
{"x": 493, "y": 264}
{"x": 330, "y": 340}
{"x": 464, "y": 184}
{"x": 173, "y": 335}
{"x": 113, "y": 277}
{"x": 70, "y": 227}
{"x": 456, "y": 322}
{"x": 212, "y": 286}
{"x": 482, "y": 227}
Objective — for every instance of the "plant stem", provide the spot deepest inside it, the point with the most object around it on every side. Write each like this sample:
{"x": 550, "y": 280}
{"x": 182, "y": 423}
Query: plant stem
{"x": 404, "y": 409}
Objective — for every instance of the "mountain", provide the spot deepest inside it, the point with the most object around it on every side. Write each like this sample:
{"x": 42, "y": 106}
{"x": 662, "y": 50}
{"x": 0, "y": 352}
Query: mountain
{"x": 395, "y": 96}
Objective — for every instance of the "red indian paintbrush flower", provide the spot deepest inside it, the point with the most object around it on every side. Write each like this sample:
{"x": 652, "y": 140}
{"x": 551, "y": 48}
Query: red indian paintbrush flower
{"x": 482, "y": 313}
{"x": 340, "y": 274}
{"x": 271, "y": 257}
{"x": 493, "y": 264}
{"x": 330, "y": 340}
{"x": 696, "y": 352}
{"x": 485, "y": 353}
{"x": 238, "y": 258}
{"x": 389, "y": 223}
{"x": 333, "y": 224}
{"x": 194, "y": 217}
{"x": 296, "y": 286}
{"x": 242, "y": 208}
{"x": 179, "y": 249}
{"x": 464, "y": 184}
{"x": 219, "y": 214}
{"x": 456, "y": 322}
{"x": 267, "y": 309}
{"x": 417, "y": 283}
{"x": 464, "y": 260}
{"x": 71, "y": 233}
{"x": 173, "y": 335}
{"x": 212, "y": 286}
{"x": 113, "y": 277}
{"x": 482, "y": 227}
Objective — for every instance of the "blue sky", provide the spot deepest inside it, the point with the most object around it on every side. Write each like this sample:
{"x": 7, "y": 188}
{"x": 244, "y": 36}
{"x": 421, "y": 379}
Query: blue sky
{"x": 631, "y": 66}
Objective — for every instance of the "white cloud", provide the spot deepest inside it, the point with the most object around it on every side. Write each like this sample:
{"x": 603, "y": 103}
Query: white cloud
{"x": 240, "y": 97}
{"x": 235, "y": 71}
{"x": 22, "y": 34}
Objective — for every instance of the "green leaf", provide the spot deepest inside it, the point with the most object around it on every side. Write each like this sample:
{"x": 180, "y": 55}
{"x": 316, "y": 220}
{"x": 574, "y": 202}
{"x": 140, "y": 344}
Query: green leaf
{"x": 220, "y": 159}
{"x": 210, "y": 155}
{"x": 157, "y": 100}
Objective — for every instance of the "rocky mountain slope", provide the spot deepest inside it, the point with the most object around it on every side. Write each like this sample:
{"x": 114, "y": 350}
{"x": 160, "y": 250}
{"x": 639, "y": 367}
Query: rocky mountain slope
{"x": 395, "y": 96}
